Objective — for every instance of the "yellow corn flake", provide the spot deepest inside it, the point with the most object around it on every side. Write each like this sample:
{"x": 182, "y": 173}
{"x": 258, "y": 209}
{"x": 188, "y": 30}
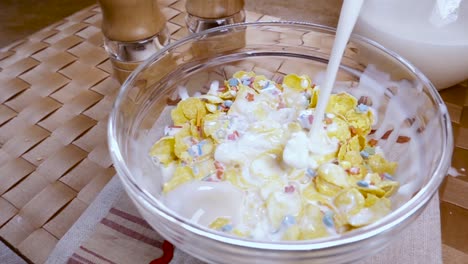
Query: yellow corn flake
{"x": 349, "y": 201}
{"x": 314, "y": 95}
{"x": 292, "y": 233}
{"x": 163, "y": 150}
{"x": 211, "y": 98}
{"x": 182, "y": 174}
{"x": 341, "y": 103}
{"x": 178, "y": 116}
{"x": 294, "y": 127}
{"x": 266, "y": 166}
{"x": 362, "y": 122}
{"x": 325, "y": 187}
{"x": 370, "y": 200}
{"x": 353, "y": 157}
{"x": 195, "y": 131}
{"x": 374, "y": 178}
{"x": 228, "y": 95}
{"x": 219, "y": 223}
{"x": 211, "y": 108}
{"x": 379, "y": 165}
{"x": 234, "y": 176}
{"x": 356, "y": 143}
{"x": 297, "y": 83}
{"x": 342, "y": 152}
{"x": 181, "y": 142}
{"x": 333, "y": 174}
{"x": 281, "y": 204}
{"x": 339, "y": 129}
{"x": 311, "y": 223}
{"x": 203, "y": 168}
{"x": 240, "y": 233}
{"x": 241, "y": 74}
{"x": 259, "y": 79}
{"x": 192, "y": 108}
{"x": 390, "y": 187}
{"x": 371, "y": 190}
{"x": 311, "y": 194}
{"x": 377, "y": 209}
{"x": 296, "y": 175}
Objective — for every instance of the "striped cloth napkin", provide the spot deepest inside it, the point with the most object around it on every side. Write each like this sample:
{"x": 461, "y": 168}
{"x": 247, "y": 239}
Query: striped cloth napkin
{"x": 112, "y": 231}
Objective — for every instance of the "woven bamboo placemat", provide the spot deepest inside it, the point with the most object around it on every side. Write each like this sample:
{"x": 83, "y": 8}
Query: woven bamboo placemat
{"x": 56, "y": 92}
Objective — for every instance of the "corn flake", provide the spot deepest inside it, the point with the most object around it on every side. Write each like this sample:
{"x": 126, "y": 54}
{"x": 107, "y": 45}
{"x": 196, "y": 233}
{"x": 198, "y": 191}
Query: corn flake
{"x": 163, "y": 150}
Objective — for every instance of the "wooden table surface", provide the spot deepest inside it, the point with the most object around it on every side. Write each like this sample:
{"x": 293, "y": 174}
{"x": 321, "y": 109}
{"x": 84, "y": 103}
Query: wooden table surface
{"x": 56, "y": 129}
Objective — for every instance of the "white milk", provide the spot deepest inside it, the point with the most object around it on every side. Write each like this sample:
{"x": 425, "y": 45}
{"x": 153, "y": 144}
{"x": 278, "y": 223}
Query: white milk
{"x": 431, "y": 34}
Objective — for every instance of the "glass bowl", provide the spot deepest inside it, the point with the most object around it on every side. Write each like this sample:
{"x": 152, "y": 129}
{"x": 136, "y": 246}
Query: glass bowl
{"x": 413, "y": 128}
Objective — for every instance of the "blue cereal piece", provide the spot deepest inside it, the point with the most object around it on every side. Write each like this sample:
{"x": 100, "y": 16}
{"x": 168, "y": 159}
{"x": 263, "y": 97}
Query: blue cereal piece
{"x": 311, "y": 173}
{"x": 226, "y": 228}
{"x": 328, "y": 219}
{"x": 389, "y": 177}
{"x": 289, "y": 220}
{"x": 233, "y": 82}
{"x": 370, "y": 150}
{"x": 364, "y": 154}
{"x": 227, "y": 103}
{"x": 362, "y": 108}
{"x": 363, "y": 184}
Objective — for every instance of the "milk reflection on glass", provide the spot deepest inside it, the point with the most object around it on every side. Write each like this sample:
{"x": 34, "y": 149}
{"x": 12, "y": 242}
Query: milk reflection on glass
{"x": 432, "y": 34}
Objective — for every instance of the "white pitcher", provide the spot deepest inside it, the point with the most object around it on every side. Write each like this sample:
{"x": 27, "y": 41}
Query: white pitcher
{"x": 431, "y": 34}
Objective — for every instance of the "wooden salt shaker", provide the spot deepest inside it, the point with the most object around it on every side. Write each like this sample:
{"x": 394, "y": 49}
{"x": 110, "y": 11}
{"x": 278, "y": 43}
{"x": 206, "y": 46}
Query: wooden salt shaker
{"x": 205, "y": 14}
{"x": 133, "y": 30}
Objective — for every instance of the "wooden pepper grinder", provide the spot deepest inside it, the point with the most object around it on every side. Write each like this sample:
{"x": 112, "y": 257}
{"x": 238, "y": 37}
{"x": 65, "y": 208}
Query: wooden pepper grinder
{"x": 133, "y": 30}
{"x": 205, "y": 14}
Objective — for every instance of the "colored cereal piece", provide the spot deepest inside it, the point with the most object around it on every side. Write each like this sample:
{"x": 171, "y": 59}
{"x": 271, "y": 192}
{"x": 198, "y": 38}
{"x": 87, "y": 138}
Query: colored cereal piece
{"x": 163, "y": 150}
{"x": 182, "y": 174}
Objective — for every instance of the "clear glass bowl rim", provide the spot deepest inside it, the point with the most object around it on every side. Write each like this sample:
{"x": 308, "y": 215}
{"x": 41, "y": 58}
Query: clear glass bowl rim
{"x": 396, "y": 218}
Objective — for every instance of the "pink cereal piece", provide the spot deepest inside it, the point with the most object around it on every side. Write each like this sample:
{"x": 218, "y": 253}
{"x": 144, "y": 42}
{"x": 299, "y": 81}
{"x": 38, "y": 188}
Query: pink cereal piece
{"x": 234, "y": 135}
{"x": 310, "y": 118}
{"x": 289, "y": 189}
{"x": 354, "y": 170}
{"x": 250, "y": 97}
